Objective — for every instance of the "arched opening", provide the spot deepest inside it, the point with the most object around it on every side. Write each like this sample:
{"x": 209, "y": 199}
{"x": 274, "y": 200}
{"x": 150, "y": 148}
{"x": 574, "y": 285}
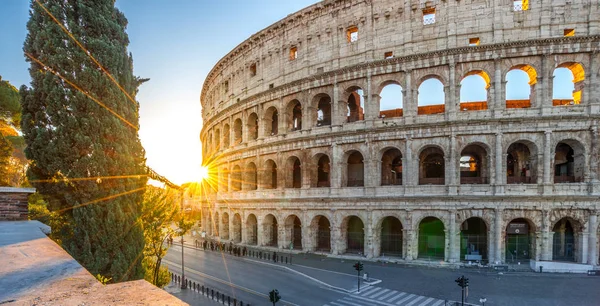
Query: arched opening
{"x": 432, "y": 239}
{"x": 322, "y": 240}
{"x": 295, "y": 115}
{"x": 520, "y": 86}
{"x": 391, "y": 167}
{"x": 521, "y": 164}
{"x": 356, "y": 104}
{"x": 568, "y": 163}
{"x": 323, "y": 171}
{"x": 237, "y": 228}
{"x": 253, "y": 126}
{"x": 431, "y": 98}
{"x": 565, "y": 239}
{"x": 391, "y": 237}
{"x": 474, "y": 91}
{"x": 567, "y": 84}
{"x": 270, "y": 178}
{"x": 236, "y": 178}
{"x": 323, "y": 110}
{"x": 473, "y": 240}
{"x": 270, "y": 231}
{"x": 271, "y": 123}
{"x": 355, "y": 235}
{"x": 474, "y": 165}
{"x": 252, "y": 229}
{"x": 237, "y": 131}
{"x": 432, "y": 167}
{"x": 293, "y": 230}
{"x": 520, "y": 241}
{"x": 251, "y": 177}
{"x": 224, "y": 181}
{"x": 294, "y": 173}
{"x": 225, "y": 226}
{"x": 391, "y": 101}
{"x": 217, "y": 140}
{"x": 226, "y": 134}
{"x": 355, "y": 170}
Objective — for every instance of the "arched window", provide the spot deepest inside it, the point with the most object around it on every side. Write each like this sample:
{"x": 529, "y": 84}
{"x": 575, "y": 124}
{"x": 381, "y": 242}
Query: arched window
{"x": 295, "y": 115}
{"x": 294, "y": 173}
{"x": 356, "y": 104}
{"x": 569, "y": 162}
{"x": 253, "y": 126}
{"x": 236, "y": 178}
{"x": 521, "y": 163}
{"x": 567, "y": 84}
{"x": 391, "y": 102}
{"x": 237, "y": 131}
{"x": 432, "y": 167}
{"x": 323, "y": 110}
{"x": 217, "y": 140}
{"x": 226, "y": 134}
{"x": 474, "y": 165}
{"x": 474, "y": 91}
{"x": 431, "y": 98}
{"x": 270, "y": 177}
{"x": 323, "y": 171}
{"x": 391, "y": 167}
{"x": 520, "y": 86}
{"x": 356, "y": 170}
{"x": 251, "y": 177}
{"x": 271, "y": 122}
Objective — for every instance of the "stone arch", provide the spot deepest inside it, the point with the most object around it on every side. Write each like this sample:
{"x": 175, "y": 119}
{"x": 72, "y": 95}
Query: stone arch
{"x": 391, "y": 102}
{"x": 217, "y": 142}
{"x": 250, "y": 177}
{"x": 577, "y": 73}
{"x": 293, "y": 172}
{"x": 569, "y": 161}
{"x": 252, "y": 126}
{"x": 431, "y": 238}
{"x": 352, "y": 229}
{"x": 321, "y": 229}
{"x": 355, "y": 102}
{"x": 270, "y": 231}
{"x": 521, "y": 162}
{"x": 474, "y": 233}
{"x": 293, "y": 232}
{"x": 236, "y": 178}
{"x": 251, "y": 229}
{"x": 567, "y": 236}
{"x": 432, "y": 167}
{"x": 435, "y": 88}
{"x": 389, "y": 231}
{"x": 237, "y": 131}
{"x": 474, "y": 164}
{"x": 322, "y": 105}
{"x": 223, "y": 180}
{"x": 270, "y": 175}
{"x": 391, "y": 166}
{"x": 271, "y": 121}
{"x": 226, "y": 134}
{"x": 355, "y": 169}
{"x": 322, "y": 175}
{"x": 512, "y": 83}
{"x": 294, "y": 114}
{"x": 475, "y": 90}
{"x": 520, "y": 240}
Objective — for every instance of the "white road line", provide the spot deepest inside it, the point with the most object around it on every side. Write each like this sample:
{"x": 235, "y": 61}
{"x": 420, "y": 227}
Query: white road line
{"x": 379, "y": 293}
{"x": 405, "y": 299}
{"x": 415, "y": 300}
{"x": 337, "y": 304}
{"x": 396, "y": 297}
{"x": 350, "y": 302}
{"x": 369, "y": 291}
{"x": 427, "y": 301}
{"x": 438, "y": 303}
{"x": 387, "y": 295}
{"x": 371, "y": 302}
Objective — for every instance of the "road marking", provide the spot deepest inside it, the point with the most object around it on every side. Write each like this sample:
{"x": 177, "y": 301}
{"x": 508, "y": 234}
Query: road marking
{"x": 225, "y": 282}
{"x": 379, "y": 293}
{"x": 438, "y": 303}
{"x": 427, "y": 301}
{"x": 405, "y": 299}
{"x": 387, "y": 295}
{"x": 373, "y": 289}
{"x": 396, "y": 297}
{"x": 353, "y": 303}
{"x": 415, "y": 300}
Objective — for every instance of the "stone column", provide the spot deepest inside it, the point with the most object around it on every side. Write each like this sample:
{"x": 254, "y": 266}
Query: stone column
{"x": 592, "y": 258}
{"x": 498, "y": 233}
{"x": 585, "y": 246}
{"x": 335, "y": 238}
{"x": 336, "y": 171}
{"x": 453, "y": 237}
{"x": 452, "y": 171}
{"x": 282, "y": 236}
{"x": 370, "y": 177}
{"x": 547, "y": 157}
{"x": 410, "y": 103}
{"x": 593, "y": 101}
{"x": 407, "y": 164}
{"x": 450, "y": 93}
{"x": 546, "y": 237}
{"x": 408, "y": 244}
{"x": 498, "y": 104}
{"x": 260, "y": 232}
{"x": 371, "y": 109}
{"x": 499, "y": 158}
{"x": 369, "y": 241}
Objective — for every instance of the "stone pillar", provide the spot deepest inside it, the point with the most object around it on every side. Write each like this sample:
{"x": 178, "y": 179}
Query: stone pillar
{"x": 369, "y": 241}
{"x": 498, "y": 104}
{"x": 450, "y": 94}
{"x": 376, "y": 101}
{"x": 454, "y": 239}
{"x": 408, "y": 172}
{"x": 410, "y": 248}
{"x": 336, "y": 171}
{"x": 498, "y": 234}
{"x": 546, "y": 237}
{"x": 592, "y": 258}
{"x": 371, "y": 109}
{"x": 593, "y": 101}
{"x": 583, "y": 254}
{"x": 547, "y": 157}
{"x": 500, "y": 159}
{"x": 410, "y": 103}
{"x": 260, "y": 232}
{"x": 282, "y": 237}
{"x": 451, "y": 177}
{"x": 335, "y": 239}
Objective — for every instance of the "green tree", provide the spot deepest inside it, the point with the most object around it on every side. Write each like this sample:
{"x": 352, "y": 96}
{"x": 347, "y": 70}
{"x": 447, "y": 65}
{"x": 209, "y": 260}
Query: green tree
{"x": 10, "y": 105}
{"x": 86, "y": 157}
{"x": 5, "y": 156}
{"x": 159, "y": 211}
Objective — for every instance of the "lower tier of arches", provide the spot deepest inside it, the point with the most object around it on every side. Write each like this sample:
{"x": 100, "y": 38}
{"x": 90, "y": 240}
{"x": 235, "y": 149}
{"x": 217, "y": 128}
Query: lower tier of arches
{"x": 450, "y": 235}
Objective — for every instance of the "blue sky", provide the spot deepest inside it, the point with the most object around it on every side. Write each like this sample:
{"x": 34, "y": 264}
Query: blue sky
{"x": 175, "y": 44}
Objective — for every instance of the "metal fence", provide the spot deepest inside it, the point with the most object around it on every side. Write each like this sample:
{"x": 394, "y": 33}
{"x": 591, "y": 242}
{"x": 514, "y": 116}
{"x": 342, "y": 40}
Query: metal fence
{"x": 210, "y": 293}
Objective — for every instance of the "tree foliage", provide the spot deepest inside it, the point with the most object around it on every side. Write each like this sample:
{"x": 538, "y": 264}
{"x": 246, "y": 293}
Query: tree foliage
{"x": 69, "y": 136}
{"x": 10, "y": 105}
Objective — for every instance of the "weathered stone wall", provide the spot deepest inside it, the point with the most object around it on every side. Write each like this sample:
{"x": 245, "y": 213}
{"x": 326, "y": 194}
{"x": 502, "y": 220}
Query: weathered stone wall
{"x": 13, "y": 203}
{"x": 329, "y": 66}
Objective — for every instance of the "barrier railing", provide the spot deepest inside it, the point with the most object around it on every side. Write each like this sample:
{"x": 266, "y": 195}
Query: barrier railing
{"x": 207, "y": 292}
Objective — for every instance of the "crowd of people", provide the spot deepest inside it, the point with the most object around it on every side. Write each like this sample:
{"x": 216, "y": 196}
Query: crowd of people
{"x": 220, "y": 246}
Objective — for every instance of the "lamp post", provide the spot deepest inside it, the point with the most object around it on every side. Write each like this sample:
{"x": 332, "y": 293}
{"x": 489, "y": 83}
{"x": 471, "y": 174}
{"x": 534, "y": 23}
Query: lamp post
{"x": 482, "y": 301}
{"x": 183, "y": 284}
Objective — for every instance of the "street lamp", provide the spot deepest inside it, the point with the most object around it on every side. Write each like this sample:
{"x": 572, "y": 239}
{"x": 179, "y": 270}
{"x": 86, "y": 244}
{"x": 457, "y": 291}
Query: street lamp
{"x": 482, "y": 301}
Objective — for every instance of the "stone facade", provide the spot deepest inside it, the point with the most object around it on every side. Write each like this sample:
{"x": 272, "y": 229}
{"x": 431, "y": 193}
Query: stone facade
{"x": 13, "y": 203}
{"x": 299, "y": 162}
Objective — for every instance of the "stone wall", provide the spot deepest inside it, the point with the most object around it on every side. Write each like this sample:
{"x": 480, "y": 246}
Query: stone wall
{"x": 13, "y": 203}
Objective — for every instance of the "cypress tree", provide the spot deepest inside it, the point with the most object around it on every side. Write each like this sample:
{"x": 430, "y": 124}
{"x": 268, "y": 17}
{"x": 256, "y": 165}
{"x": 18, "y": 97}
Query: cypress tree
{"x": 70, "y": 136}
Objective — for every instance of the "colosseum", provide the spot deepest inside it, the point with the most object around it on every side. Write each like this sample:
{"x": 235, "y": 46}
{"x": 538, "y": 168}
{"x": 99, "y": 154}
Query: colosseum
{"x": 309, "y": 153}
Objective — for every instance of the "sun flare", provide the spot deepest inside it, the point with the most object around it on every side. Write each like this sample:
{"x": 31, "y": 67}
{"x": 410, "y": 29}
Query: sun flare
{"x": 203, "y": 173}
